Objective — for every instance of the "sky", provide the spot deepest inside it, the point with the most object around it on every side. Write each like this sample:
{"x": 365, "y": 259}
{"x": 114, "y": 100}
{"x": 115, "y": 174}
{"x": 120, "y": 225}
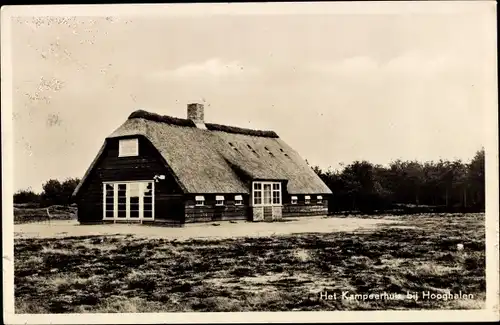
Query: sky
{"x": 336, "y": 87}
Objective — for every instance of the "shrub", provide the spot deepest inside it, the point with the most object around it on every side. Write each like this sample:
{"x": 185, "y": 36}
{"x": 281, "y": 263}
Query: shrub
{"x": 26, "y": 196}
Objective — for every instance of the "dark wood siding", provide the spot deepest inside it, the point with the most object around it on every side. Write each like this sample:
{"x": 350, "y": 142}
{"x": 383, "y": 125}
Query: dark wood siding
{"x": 211, "y": 212}
{"x": 301, "y": 209}
{"x": 110, "y": 167}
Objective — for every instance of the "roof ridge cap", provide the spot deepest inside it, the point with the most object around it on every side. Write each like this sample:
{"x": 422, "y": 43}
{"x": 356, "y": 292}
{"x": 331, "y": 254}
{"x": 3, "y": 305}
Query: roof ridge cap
{"x": 171, "y": 120}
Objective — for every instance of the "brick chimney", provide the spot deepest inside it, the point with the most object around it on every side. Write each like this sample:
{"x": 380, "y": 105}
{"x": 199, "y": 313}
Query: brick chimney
{"x": 195, "y": 113}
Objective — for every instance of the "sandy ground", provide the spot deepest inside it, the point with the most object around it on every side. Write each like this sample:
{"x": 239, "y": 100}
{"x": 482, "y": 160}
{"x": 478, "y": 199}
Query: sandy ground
{"x": 60, "y": 228}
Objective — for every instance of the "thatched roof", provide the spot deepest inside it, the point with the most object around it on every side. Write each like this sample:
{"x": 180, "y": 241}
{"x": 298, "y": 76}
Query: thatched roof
{"x": 220, "y": 159}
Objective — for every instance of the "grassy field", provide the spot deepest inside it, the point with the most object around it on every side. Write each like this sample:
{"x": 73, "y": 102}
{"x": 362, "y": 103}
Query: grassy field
{"x": 25, "y": 214}
{"x": 275, "y": 273}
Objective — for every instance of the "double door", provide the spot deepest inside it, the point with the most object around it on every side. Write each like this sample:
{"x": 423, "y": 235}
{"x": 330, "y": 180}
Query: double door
{"x": 132, "y": 200}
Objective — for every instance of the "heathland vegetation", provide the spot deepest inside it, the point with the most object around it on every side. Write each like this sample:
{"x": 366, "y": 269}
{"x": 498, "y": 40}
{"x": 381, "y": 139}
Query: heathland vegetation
{"x": 129, "y": 273}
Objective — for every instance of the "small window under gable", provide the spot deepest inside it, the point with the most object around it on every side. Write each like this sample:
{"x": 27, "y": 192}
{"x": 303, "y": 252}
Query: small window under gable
{"x": 200, "y": 200}
{"x": 319, "y": 199}
{"x": 307, "y": 199}
{"x": 238, "y": 199}
{"x": 219, "y": 200}
{"x": 293, "y": 200}
{"x": 128, "y": 147}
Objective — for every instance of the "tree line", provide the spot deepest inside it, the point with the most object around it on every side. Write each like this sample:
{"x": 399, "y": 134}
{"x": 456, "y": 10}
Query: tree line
{"x": 54, "y": 192}
{"x": 362, "y": 187}
{"x": 413, "y": 186}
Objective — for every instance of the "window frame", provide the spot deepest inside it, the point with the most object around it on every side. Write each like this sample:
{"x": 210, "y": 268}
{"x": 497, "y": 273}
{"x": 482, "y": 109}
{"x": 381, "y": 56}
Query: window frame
{"x": 238, "y": 200}
{"x": 219, "y": 200}
{"x": 121, "y": 152}
{"x": 294, "y": 200}
{"x": 319, "y": 199}
{"x": 262, "y": 194}
{"x": 199, "y": 198}
{"x": 307, "y": 199}
{"x": 141, "y": 191}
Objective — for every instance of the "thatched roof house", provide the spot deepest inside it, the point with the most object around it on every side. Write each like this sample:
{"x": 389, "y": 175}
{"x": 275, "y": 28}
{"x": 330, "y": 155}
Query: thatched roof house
{"x": 199, "y": 171}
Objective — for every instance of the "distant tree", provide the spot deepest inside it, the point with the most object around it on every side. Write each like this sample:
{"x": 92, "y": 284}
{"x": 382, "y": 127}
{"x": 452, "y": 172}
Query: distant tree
{"x": 477, "y": 180}
{"x": 26, "y": 196}
{"x": 55, "y": 192}
{"x": 460, "y": 186}
{"x": 52, "y": 192}
{"x": 362, "y": 185}
{"x": 443, "y": 184}
{"x": 430, "y": 187}
{"x": 318, "y": 171}
{"x": 382, "y": 186}
{"x": 415, "y": 179}
{"x": 68, "y": 187}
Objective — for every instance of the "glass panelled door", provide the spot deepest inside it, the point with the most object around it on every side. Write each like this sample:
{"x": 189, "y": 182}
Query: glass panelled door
{"x": 134, "y": 196}
{"x": 147, "y": 200}
{"x": 109, "y": 201}
{"x": 128, "y": 200}
{"x": 267, "y": 194}
{"x": 121, "y": 208}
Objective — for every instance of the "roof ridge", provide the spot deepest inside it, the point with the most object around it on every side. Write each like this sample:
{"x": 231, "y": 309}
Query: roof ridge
{"x": 142, "y": 114}
{"x": 161, "y": 118}
{"x": 238, "y": 130}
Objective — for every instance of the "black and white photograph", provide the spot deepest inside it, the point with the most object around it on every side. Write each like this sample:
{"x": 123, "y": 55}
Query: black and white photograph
{"x": 250, "y": 162}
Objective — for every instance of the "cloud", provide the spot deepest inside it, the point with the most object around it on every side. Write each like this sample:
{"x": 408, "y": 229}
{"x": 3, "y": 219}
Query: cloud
{"x": 212, "y": 69}
{"x": 410, "y": 64}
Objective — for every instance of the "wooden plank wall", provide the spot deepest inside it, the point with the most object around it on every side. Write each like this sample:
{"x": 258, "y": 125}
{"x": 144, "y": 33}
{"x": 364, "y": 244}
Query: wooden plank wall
{"x": 302, "y": 210}
{"x": 210, "y": 212}
{"x": 143, "y": 167}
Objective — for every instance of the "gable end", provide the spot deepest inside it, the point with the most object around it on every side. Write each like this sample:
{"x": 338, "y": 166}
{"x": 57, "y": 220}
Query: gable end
{"x": 109, "y": 166}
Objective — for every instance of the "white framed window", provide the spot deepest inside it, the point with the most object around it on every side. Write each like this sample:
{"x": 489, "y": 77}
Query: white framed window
{"x": 319, "y": 199}
{"x": 131, "y": 200}
{"x": 257, "y": 194}
{"x": 266, "y": 193}
{"x": 293, "y": 200}
{"x": 238, "y": 200}
{"x": 128, "y": 147}
{"x": 219, "y": 200}
{"x": 200, "y": 200}
{"x": 277, "y": 193}
{"x": 307, "y": 199}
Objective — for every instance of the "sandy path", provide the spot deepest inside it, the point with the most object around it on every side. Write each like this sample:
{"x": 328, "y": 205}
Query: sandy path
{"x": 60, "y": 228}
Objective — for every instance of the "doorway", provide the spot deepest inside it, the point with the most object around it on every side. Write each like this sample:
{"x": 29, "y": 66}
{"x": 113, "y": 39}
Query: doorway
{"x": 129, "y": 201}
